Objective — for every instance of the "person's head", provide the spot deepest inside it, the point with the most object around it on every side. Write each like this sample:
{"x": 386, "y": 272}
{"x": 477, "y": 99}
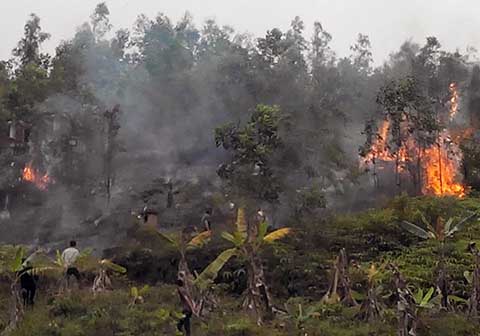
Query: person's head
{"x": 73, "y": 243}
{"x": 181, "y": 278}
{"x": 208, "y": 211}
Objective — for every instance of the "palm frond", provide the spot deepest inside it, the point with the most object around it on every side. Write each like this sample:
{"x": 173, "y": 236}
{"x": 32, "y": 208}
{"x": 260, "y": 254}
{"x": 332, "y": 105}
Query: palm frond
{"x": 462, "y": 223}
{"x": 236, "y": 238}
{"x": 428, "y": 225}
{"x": 210, "y": 273}
{"x": 277, "y": 235}
{"x": 16, "y": 263}
{"x": 108, "y": 264}
{"x": 418, "y": 296}
{"x": 241, "y": 223}
{"x": 416, "y": 230}
{"x": 448, "y": 224}
{"x": 200, "y": 240}
{"x": 262, "y": 231}
{"x": 427, "y": 297}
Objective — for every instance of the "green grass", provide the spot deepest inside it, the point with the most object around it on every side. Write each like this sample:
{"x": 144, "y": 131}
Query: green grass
{"x": 298, "y": 271}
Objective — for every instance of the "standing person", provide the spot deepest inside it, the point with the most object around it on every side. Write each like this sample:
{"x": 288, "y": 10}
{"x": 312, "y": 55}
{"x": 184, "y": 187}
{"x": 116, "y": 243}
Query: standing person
{"x": 206, "y": 220}
{"x": 261, "y": 217}
{"x": 187, "y": 306}
{"x": 28, "y": 283}
{"x": 170, "y": 194}
{"x": 69, "y": 257}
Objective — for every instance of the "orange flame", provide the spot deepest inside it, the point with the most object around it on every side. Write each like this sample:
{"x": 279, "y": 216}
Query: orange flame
{"x": 379, "y": 149}
{"x": 453, "y": 100}
{"x": 441, "y": 167}
{"x": 440, "y": 163}
{"x": 32, "y": 175}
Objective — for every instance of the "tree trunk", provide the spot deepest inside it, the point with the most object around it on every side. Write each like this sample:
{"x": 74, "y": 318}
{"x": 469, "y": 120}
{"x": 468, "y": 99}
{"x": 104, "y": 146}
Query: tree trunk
{"x": 406, "y": 306}
{"x": 258, "y": 299}
{"x": 475, "y": 295}
{"x": 16, "y": 310}
{"x": 442, "y": 283}
{"x": 348, "y": 299}
{"x": 370, "y": 310}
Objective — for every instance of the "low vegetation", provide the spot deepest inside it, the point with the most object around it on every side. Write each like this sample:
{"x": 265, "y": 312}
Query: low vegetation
{"x": 369, "y": 287}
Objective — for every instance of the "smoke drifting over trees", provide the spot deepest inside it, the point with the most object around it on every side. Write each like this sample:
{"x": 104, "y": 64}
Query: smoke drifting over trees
{"x": 116, "y": 113}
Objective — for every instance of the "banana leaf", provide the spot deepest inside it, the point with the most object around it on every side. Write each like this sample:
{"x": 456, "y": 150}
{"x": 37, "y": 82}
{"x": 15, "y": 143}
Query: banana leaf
{"x": 426, "y": 299}
{"x": 241, "y": 223}
{"x": 461, "y": 224}
{"x": 210, "y": 273}
{"x": 199, "y": 240}
{"x": 416, "y": 230}
{"x": 277, "y": 235}
{"x": 107, "y": 264}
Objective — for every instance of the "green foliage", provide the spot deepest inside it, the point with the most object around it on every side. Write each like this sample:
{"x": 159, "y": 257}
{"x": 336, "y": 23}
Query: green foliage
{"x": 450, "y": 325}
{"x": 211, "y": 272}
{"x": 250, "y": 172}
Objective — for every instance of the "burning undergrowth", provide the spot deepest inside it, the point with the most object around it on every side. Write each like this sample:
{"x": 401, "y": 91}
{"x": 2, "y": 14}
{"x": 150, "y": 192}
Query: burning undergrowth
{"x": 33, "y": 175}
{"x": 432, "y": 160}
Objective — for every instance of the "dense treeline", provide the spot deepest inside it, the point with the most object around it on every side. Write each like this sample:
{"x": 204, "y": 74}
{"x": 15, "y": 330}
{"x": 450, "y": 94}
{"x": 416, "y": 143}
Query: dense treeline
{"x": 207, "y": 117}
{"x": 176, "y": 82}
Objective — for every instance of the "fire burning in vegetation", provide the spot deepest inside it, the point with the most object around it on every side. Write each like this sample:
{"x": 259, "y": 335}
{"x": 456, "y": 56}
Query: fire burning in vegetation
{"x": 439, "y": 164}
{"x": 32, "y": 175}
{"x": 453, "y": 100}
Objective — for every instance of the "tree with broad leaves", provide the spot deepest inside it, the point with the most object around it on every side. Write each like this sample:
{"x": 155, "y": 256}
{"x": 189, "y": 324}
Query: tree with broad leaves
{"x": 409, "y": 113}
{"x": 439, "y": 232}
{"x": 250, "y": 173}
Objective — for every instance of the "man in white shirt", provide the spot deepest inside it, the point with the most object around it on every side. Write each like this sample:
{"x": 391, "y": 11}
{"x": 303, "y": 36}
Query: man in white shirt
{"x": 69, "y": 257}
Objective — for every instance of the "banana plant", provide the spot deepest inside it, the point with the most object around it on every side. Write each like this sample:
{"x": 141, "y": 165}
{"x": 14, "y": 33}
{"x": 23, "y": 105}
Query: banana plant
{"x": 13, "y": 264}
{"x": 441, "y": 230}
{"x": 248, "y": 240}
{"x": 102, "y": 280}
{"x": 138, "y": 295}
{"x": 406, "y": 305}
{"x": 181, "y": 243}
{"x": 473, "y": 279}
{"x": 87, "y": 262}
{"x": 301, "y": 315}
{"x": 371, "y": 308}
{"x": 439, "y": 233}
{"x": 424, "y": 300}
{"x": 340, "y": 278}
{"x": 198, "y": 287}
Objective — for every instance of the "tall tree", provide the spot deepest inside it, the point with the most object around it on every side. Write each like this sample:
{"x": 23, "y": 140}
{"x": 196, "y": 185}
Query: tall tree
{"x": 100, "y": 21}
{"x": 28, "y": 48}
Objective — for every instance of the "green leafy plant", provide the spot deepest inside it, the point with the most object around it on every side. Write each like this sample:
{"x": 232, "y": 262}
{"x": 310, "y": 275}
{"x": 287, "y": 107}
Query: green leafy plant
{"x": 248, "y": 240}
{"x": 439, "y": 233}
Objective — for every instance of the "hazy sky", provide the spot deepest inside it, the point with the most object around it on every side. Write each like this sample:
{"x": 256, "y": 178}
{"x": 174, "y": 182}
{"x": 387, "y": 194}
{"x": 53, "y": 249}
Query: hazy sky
{"x": 387, "y": 22}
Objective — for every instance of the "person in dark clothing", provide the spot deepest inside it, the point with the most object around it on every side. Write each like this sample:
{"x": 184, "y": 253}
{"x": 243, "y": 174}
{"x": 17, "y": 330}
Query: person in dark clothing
{"x": 28, "y": 284}
{"x": 206, "y": 220}
{"x": 187, "y": 306}
{"x": 170, "y": 194}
